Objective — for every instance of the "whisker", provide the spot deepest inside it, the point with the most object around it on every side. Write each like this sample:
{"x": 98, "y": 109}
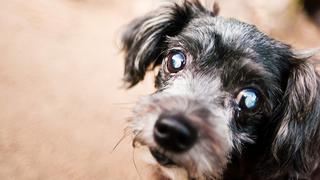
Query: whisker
{"x": 125, "y": 134}
{"x": 135, "y": 165}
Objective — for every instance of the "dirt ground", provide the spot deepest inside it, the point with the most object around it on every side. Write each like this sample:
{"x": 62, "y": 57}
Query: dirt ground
{"x": 62, "y": 108}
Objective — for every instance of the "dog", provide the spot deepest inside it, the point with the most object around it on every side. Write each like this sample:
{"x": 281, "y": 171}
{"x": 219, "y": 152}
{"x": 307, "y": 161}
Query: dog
{"x": 230, "y": 102}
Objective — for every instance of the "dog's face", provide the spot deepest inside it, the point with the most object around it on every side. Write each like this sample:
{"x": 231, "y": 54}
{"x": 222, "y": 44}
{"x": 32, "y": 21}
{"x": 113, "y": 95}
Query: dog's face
{"x": 223, "y": 89}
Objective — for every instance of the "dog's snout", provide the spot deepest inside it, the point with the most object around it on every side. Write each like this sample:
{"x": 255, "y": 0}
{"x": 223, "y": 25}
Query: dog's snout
{"x": 174, "y": 133}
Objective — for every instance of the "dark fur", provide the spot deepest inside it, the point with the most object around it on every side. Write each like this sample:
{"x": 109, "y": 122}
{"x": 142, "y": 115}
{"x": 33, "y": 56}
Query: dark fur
{"x": 286, "y": 130}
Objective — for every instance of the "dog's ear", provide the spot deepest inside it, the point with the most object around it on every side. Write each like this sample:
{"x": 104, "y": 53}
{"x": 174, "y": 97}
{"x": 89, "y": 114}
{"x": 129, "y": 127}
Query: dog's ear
{"x": 299, "y": 113}
{"x": 144, "y": 40}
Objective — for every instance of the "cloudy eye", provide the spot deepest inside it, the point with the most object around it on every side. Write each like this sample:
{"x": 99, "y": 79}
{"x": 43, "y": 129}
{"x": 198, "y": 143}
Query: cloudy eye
{"x": 247, "y": 99}
{"x": 176, "y": 61}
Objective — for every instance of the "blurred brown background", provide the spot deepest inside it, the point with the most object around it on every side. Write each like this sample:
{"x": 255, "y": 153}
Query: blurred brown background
{"x": 62, "y": 108}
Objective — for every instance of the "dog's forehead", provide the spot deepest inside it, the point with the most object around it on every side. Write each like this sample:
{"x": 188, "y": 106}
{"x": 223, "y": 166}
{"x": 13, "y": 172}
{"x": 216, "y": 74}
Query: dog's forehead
{"x": 217, "y": 36}
{"x": 239, "y": 50}
{"x": 210, "y": 34}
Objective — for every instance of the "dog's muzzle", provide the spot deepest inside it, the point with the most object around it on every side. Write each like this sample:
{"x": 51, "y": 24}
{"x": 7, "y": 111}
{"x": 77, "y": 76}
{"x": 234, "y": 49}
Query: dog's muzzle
{"x": 174, "y": 133}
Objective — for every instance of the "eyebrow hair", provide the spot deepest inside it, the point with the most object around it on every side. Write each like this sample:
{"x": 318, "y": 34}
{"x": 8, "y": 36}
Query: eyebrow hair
{"x": 240, "y": 71}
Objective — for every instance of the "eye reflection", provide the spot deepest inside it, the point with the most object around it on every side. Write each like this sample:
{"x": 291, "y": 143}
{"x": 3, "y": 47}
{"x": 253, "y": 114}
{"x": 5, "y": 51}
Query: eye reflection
{"x": 247, "y": 99}
{"x": 176, "y": 61}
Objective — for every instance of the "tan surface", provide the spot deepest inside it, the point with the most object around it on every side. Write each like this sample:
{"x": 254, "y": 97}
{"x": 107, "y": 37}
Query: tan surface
{"x": 61, "y": 106}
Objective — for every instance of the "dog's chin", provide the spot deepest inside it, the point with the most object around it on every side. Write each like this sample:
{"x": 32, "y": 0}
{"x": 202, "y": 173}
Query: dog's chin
{"x": 162, "y": 158}
{"x": 171, "y": 168}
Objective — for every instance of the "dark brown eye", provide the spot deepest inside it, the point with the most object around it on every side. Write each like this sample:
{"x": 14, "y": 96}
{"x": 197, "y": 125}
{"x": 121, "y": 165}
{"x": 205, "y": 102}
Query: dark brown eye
{"x": 248, "y": 99}
{"x": 176, "y": 61}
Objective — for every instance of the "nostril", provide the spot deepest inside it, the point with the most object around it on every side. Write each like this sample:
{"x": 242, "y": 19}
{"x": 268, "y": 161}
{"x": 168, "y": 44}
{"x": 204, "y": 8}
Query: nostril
{"x": 162, "y": 128}
{"x": 162, "y": 131}
{"x": 174, "y": 133}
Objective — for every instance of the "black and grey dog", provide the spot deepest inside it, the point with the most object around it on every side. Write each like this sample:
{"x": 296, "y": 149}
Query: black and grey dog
{"x": 231, "y": 102}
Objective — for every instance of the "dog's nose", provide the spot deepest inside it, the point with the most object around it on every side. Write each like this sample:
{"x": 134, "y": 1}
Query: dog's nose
{"x": 174, "y": 133}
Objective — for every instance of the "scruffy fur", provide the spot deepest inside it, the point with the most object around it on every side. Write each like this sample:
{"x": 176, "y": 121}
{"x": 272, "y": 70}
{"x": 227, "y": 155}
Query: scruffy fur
{"x": 280, "y": 140}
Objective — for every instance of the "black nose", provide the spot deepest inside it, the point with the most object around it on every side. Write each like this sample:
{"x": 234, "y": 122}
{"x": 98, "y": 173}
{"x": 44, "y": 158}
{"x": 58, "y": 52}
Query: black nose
{"x": 174, "y": 133}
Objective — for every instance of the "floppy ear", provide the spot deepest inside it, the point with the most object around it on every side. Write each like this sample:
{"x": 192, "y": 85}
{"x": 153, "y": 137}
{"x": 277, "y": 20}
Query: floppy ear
{"x": 297, "y": 140}
{"x": 144, "y": 40}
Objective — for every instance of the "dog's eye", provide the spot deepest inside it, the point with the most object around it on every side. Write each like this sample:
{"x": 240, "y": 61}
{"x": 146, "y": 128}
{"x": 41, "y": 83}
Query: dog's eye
{"x": 247, "y": 99}
{"x": 176, "y": 61}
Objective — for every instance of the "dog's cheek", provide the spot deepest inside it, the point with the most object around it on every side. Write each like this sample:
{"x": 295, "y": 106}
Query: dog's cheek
{"x": 224, "y": 136}
{"x": 211, "y": 153}
{"x": 144, "y": 118}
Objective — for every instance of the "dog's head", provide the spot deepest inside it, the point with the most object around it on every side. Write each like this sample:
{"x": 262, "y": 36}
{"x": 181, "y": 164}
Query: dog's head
{"x": 225, "y": 92}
